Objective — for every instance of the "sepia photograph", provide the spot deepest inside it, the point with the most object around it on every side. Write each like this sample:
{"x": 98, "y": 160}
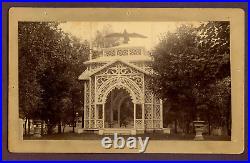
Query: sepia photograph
{"x": 125, "y": 84}
{"x": 79, "y": 80}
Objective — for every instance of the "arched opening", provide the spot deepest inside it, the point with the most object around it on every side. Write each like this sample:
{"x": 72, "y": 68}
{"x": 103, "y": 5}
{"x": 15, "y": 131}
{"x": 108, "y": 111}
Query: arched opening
{"x": 119, "y": 109}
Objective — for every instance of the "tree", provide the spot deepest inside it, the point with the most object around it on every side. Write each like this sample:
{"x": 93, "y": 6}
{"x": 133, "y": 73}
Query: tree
{"x": 174, "y": 73}
{"x": 187, "y": 63}
{"x": 214, "y": 39}
{"x": 50, "y": 63}
{"x": 29, "y": 64}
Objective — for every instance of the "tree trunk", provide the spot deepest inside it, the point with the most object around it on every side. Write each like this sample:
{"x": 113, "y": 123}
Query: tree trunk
{"x": 49, "y": 130}
{"x": 28, "y": 126}
{"x": 41, "y": 128}
{"x": 209, "y": 124}
{"x": 175, "y": 126}
{"x": 188, "y": 128}
{"x": 193, "y": 115}
{"x": 73, "y": 119}
{"x": 59, "y": 127}
{"x": 25, "y": 126}
{"x": 64, "y": 127}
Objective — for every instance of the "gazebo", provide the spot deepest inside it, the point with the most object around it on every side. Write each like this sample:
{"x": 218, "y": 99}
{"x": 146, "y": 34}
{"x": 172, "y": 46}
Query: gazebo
{"x": 117, "y": 94}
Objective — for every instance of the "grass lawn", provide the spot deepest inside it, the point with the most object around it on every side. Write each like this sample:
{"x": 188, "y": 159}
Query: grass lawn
{"x": 152, "y": 136}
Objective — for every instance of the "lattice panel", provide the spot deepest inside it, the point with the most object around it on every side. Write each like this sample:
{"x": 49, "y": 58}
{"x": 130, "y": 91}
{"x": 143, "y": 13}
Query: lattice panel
{"x": 135, "y": 51}
{"x": 99, "y": 123}
{"x": 87, "y": 87}
{"x": 92, "y": 112}
{"x": 148, "y": 111}
{"x": 138, "y": 123}
{"x": 111, "y": 52}
{"x": 157, "y": 124}
{"x": 92, "y": 91}
{"x": 148, "y": 83}
{"x": 157, "y": 101}
{"x": 148, "y": 97}
{"x": 122, "y": 52}
{"x": 87, "y": 98}
{"x": 87, "y": 93}
{"x": 148, "y": 123}
{"x": 86, "y": 122}
{"x": 87, "y": 112}
{"x": 92, "y": 124}
{"x": 157, "y": 112}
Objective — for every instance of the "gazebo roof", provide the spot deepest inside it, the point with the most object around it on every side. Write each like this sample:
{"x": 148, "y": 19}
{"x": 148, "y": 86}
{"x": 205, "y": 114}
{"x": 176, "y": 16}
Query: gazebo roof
{"x": 88, "y": 73}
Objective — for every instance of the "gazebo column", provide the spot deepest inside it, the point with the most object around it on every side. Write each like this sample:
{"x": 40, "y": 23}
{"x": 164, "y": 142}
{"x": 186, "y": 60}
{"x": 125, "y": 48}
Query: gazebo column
{"x": 103, "y": 114}
{"x": 143, "y": 116}
{"x": 84, "y": 107}
{"x": 111, "y": 108}
{"x": 134, "y": 115}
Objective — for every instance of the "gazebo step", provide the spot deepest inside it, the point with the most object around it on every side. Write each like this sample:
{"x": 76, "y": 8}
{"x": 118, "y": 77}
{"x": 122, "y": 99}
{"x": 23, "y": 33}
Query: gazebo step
{"x": 121, "y": 131}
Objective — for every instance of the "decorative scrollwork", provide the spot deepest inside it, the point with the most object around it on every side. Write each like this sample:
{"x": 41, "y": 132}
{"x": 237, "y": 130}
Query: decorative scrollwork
{"x": 119, "y": 69}
{"x": 119, "y": 82}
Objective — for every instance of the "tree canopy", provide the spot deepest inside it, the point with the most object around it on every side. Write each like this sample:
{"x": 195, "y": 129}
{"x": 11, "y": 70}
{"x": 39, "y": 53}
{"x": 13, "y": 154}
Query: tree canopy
{"x": 49, "y": 63}
{"x": 191, "y": 62}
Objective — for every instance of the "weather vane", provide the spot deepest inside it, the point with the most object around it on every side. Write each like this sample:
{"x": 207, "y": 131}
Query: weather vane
{"x": 126, "y": 36}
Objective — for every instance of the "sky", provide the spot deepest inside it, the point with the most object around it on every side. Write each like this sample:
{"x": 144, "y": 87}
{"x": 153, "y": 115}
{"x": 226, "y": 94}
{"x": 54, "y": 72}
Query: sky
{"x": 87, "y": 30}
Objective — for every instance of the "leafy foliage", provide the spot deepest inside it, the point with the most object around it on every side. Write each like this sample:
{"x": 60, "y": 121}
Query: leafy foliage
{"x": 190, "y": 63}
{"x": 49, "y": 63}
